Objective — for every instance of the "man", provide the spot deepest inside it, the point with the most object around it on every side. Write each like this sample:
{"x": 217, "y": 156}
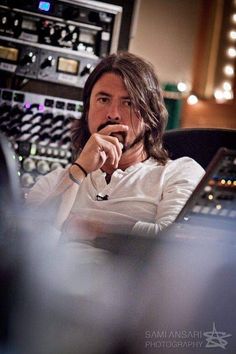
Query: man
{"x": 122, "y": 179}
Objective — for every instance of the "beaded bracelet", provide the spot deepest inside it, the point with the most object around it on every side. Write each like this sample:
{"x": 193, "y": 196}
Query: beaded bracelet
{"x": 81, "y": 167}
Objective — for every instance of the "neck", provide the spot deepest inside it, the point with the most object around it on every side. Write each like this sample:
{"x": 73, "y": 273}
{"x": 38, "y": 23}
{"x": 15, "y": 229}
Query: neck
{"x": 129, "y": 158}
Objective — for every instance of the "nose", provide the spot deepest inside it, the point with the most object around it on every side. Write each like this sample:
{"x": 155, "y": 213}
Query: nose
{"x": 113, "y": 112}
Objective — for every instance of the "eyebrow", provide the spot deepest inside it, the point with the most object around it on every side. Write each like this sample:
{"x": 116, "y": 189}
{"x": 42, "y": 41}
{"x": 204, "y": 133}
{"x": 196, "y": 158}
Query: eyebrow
{"x": 103, "y": 93}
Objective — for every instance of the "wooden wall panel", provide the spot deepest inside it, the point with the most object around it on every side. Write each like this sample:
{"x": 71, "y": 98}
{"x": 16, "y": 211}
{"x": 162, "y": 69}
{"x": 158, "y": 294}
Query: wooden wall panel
{"x": 209, "y": 114}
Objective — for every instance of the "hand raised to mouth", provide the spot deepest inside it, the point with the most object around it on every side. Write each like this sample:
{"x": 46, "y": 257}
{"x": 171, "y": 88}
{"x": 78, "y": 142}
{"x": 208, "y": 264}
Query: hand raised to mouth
{"x": 121, "y": 135}
{"x": 104, "y": 146}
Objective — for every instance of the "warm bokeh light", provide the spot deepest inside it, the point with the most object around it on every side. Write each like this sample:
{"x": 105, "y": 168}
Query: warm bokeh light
{"x": 227, "y": 86}
{"x": 232, "y": 35}
{"x": 231, "y": 52}
{"x": 222, "y": 95}
{"x": 228, "y": 70}
{"x": 181, "y": 86}
{"x": 192, "y": 99}
{"x": 219, "y": 94}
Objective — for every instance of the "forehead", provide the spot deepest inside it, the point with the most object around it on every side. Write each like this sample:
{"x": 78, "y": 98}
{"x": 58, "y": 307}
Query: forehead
{"x": 110, "y": 83}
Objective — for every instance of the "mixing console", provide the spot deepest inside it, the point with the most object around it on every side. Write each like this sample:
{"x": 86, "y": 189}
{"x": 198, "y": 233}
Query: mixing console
{"x": 39, "y": 130}
{"x": 215, "y": 196}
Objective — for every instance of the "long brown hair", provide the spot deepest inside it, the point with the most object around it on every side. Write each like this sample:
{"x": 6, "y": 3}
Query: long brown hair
{"x": 143, "y": 88}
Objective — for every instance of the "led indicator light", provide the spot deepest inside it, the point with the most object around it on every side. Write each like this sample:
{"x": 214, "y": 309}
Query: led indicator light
{"x": 41, "y": 107}
{"x": 44, "y": 6}
{"x": 33, "y": 149}
{"x": 27, "y": 105}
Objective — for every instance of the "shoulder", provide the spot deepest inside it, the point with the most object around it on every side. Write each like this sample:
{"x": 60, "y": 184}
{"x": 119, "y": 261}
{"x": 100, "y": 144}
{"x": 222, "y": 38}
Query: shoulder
{"x": 184, "y": 168}
{"x": 185, "y": 164}
{"x": 174, "y": 166}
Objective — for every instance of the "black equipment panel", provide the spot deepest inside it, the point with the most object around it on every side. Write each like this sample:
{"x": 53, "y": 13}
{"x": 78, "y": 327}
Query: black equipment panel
{"x": 39, "y": 130}
{"x": 56, "y": 41}
{"x": 79, "y": 25}
{"x": 42, "y": 62}
{"x": 49, "y": 47}
{"x": 214, "y": 199}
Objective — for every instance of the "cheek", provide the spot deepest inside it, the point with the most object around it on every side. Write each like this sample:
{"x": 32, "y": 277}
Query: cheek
{"x": 137, "y": 125}
{"x": 93, "y": 120}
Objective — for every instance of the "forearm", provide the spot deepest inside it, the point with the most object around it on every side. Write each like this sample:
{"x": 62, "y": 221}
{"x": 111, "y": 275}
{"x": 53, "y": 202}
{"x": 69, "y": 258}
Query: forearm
{"x": 142, "y": 228}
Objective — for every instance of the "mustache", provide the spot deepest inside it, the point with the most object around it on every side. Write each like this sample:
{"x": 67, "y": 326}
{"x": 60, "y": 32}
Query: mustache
{"x": 103, "y": 125}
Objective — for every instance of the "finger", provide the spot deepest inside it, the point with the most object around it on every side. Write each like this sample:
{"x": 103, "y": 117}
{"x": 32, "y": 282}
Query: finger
{"x": 103, "y": 157}
{"x": 110, "y": 146}
{"x": 118, "y": 146}
{"x": 112, "y": 154}
{"x": 114, "y": 128}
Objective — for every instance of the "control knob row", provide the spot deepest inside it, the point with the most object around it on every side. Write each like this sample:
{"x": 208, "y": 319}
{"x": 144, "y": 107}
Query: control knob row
{"x": 30, "y": 58}
{"x": 49, "y": 61}
{"x": 41, "y": 166}
{"x": 9, "y": 22}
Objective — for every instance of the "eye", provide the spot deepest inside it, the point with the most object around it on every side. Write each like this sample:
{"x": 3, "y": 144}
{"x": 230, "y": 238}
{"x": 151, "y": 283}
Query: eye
{"x": 103, "y": 99}
{"x": 127, "y": 103}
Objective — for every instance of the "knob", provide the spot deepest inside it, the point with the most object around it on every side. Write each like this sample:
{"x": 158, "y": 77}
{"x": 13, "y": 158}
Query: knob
{"x": 70, "y": 33}
{"x": 43, "y": 167}
{"x": 55, "y": 34}
{"x": 86, "y": 70}
{"x": 5, "y": 21}
{"x": 55, "y": 165}
{"x": 48, "y": 62}
{"x": 29, "y": 164}
{"x": 27, "y": 180}
{"x": 28, "y": 59}
{"x": 16, "y": 25}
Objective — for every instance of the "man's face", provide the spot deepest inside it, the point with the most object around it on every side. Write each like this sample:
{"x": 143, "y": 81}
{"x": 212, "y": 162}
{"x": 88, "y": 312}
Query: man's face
{"x": 110, "y": 104}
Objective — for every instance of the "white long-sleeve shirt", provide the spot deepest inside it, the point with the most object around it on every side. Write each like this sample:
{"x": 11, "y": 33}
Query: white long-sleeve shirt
{"x": 143, "y": 199}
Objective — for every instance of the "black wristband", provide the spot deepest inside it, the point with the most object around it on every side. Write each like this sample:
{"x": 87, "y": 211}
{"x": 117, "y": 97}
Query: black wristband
{"x": 81, "y": 167}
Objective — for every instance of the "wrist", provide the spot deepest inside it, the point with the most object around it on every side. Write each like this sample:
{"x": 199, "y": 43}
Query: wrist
{"x": 77, "y": 164}
{"x": 76, "y": 174}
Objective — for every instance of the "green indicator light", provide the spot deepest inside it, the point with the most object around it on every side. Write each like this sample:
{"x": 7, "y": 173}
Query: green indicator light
{"x": 18, "y": 173}
{"x": 20, "y": 158}
{"x": 33, "y": 149}
{"x": 80, "y": 108}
